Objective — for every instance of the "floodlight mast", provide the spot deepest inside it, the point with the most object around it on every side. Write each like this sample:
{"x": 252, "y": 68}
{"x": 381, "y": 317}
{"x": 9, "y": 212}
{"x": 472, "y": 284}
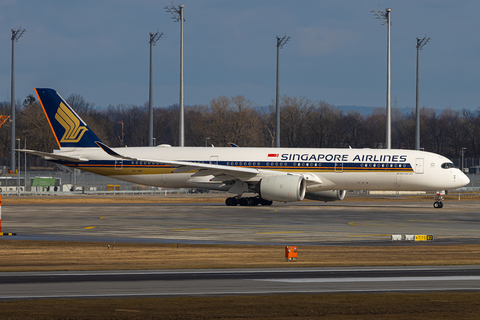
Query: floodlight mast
{"x": 420, "y": 44}
{"x": 16, "y": 35}
{"x": 385, "y": 18}
{"x": 154, "y": 37}
{"x": 280, "y": 43}
{"x": 178, "y": 16}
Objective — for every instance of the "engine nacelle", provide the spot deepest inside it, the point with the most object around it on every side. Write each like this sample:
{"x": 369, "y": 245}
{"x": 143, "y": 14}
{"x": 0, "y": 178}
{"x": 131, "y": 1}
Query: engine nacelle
{"x": 285, "y": 188}
{"x": 328, "y": 195}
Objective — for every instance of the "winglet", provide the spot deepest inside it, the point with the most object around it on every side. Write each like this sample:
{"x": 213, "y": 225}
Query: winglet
{"x": 233, "y": 145}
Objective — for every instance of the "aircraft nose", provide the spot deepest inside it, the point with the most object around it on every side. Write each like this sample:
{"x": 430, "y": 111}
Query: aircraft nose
{"x": 463, "y": 179}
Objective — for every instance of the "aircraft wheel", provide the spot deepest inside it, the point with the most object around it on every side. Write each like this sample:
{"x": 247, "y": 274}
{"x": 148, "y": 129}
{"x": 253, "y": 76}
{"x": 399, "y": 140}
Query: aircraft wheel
{"x": 440, "y": 204}
{"x": 253, "y": 201}
{"x": 243, "y": 202}
{"x": 264, "y": 202}
{"x": 436, "y": 204}
{"x": 232, "y": 201}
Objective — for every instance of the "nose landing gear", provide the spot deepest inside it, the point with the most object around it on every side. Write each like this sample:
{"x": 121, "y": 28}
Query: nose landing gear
{"x": 438, "y": 201}
{"x": 438, "y": 204}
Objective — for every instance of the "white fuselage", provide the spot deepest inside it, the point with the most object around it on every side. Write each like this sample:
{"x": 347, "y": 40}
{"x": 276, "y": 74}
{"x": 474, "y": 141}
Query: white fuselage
{"x": 336, "y": 169}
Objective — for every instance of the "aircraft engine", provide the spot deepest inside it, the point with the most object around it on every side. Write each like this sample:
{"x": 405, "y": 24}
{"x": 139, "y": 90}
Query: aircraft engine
{"x": 328, "y": 195}
{"x": 287, "y": 188}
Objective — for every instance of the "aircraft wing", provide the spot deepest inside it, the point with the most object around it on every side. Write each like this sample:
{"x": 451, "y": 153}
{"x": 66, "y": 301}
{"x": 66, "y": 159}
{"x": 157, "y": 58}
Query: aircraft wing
{"x": 220, "y": 172}
{"x": 48, "y": 155}
{"x": 204, "y": 169}
{"x": 314, "y": 181}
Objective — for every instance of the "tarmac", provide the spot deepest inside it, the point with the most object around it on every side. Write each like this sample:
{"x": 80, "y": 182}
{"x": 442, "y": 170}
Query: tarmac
{"x": 306, "y": 223}
{"x": 205, "y": 282}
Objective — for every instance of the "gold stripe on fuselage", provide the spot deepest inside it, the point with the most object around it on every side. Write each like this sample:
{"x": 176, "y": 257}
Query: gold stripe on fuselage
{"x": 108, "y": 169}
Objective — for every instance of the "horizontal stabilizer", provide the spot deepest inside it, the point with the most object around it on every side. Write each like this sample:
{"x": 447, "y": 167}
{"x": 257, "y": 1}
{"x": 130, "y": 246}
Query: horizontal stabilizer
{"x": 48, "y": 156}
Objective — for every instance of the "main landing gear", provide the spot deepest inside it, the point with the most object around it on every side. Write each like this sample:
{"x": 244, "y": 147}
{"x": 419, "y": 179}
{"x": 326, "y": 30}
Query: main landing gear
{"x": 438, "y": 201}
{"x": 250, "y": 201}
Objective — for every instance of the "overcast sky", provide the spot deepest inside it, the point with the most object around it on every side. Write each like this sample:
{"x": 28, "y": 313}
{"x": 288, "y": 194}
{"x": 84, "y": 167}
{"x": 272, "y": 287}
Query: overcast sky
{"x": 337, "y": 52}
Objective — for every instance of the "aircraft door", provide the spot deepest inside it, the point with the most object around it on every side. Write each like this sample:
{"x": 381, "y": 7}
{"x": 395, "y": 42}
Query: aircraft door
{"x": 338, "y": 166}
{"x": 419, "y": 165}
{"x": 214, "y": 160}
{"x": 118, "y": 165}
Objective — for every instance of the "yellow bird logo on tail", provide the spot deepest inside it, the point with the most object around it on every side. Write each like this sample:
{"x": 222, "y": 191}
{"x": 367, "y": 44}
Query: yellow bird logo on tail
{"x": 73, "y": 131}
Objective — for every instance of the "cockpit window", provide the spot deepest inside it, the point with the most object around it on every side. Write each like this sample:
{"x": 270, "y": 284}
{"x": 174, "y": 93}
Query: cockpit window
{"x": 448, "y": 165}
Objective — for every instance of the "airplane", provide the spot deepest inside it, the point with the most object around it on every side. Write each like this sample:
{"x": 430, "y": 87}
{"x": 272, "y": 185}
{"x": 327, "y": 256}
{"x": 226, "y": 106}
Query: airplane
{"x": 273, "y": 174}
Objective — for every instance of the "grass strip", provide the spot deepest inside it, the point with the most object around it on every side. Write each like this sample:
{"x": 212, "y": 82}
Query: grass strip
{"x": 18, "y": 255}
{"x": 444, "y": 305}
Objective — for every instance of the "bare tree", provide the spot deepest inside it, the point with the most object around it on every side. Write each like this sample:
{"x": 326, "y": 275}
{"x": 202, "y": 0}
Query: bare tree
{"x": 353, "y": 122}
{"x": 236, "y": 119}
{"x": 471, "y": 130}
{"x": 244, "y": 122}
{"x": 320, "y": 120}
{"x": 79, "y": 105}
{"x": 292, "y": 118}
{"x": 375, "y": 128}
{"x": 34, "y": 127}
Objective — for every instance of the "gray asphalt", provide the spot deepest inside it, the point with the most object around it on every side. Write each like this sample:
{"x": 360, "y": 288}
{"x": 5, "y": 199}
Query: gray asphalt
{"x": 163, "y": 283}
{"x": 340, "y": 223}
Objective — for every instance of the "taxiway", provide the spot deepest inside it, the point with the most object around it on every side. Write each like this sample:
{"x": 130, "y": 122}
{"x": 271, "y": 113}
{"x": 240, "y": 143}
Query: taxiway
{"x": 351, "y": 223}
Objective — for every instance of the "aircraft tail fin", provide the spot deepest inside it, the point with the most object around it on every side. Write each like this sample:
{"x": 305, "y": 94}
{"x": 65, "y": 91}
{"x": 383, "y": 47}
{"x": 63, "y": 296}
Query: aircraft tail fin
{"x": 68, "y": 128}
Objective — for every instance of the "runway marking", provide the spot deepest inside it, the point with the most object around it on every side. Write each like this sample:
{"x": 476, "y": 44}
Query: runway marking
{"x": 378, "y": 224}
{"x": 246, "y": 225}
{"x": 168, "y": 294}
{"x": 273, "y": 232}
{"x": 191, "y": 229}
{"x": 372, "y": 223}
{"x": 369, "y": 235}
{"x": 89, "y": 227}
{"x": 374, "y": 279}
{"x": 209, "y": 224}
{"x": 229, "y": 225}
{"x": 436, "y": 221}
{"x": 136, "y": 215}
